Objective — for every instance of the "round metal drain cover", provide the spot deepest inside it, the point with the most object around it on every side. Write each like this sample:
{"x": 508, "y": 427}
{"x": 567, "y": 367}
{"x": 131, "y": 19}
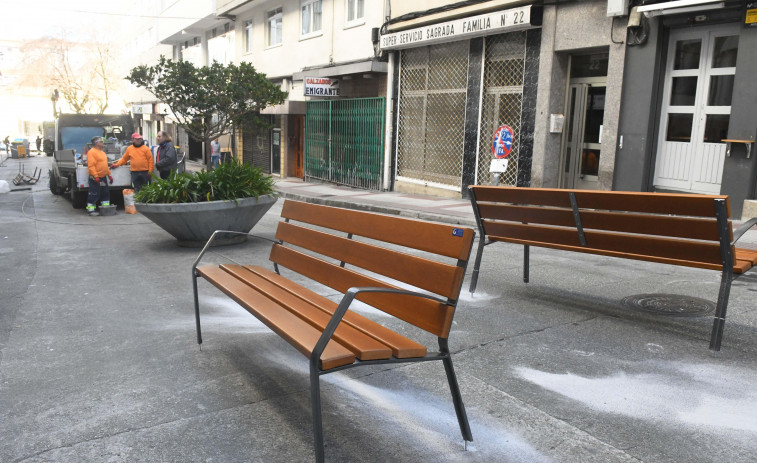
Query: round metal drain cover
{"x": 671, "y": 304}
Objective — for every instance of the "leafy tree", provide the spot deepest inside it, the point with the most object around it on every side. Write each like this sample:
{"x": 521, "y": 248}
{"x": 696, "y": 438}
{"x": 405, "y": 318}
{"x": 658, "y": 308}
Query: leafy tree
{"x": 206, "y": 101}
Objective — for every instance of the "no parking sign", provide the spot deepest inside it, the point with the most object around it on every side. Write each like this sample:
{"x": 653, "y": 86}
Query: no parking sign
{"x": 503, "y": 141}
{"x": 502, "y": 144}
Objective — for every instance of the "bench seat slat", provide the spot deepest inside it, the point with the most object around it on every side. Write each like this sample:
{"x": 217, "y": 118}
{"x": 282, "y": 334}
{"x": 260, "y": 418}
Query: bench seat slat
{"x": 429, "y": 315}
{"x": 288, "y": 326}
{"x": 707, "y": 252}
{"x": 664, "y": 225}
{"x": 423, "y": 273}
{"x": 364, "y": 347}
{"x": 425, "y": 236}
{"x": 401, "y": 346}
{"x": 655, "y": 203}
{"x": 746, "y": 254}
{"x": 741, "y": 266}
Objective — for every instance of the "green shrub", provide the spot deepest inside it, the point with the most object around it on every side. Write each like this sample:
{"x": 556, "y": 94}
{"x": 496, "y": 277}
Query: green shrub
{"x": 230, "y": 181}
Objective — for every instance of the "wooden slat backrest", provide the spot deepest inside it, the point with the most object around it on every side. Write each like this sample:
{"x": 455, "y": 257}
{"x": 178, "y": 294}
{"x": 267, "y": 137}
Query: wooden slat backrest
{"x": 662, "y": 225}
{"x": 653, "y": 203}
{"x": 424, "y": 236}
{"x": 426, "y": 314}
{"x": 651, "y": 224}
{"x": 437, "y": 277}
{"x": 660, "y": 260}
{"x": 689, "y": 250}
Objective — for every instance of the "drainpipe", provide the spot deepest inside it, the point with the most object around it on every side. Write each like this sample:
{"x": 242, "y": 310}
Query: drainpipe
{"x": 388, "y": 132}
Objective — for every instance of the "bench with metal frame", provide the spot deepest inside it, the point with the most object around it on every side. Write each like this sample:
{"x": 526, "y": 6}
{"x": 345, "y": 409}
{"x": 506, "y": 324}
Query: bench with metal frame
{"x": 366, "y": 265}
{"x": 679, "y": 229}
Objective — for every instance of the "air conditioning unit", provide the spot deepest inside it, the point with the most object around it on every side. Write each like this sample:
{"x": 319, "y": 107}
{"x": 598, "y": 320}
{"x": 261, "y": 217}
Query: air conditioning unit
{"x": 617, "y": 7}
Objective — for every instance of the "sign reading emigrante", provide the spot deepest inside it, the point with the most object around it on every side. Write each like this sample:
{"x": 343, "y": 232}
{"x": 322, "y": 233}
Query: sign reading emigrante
{"x": 464, "y": 28}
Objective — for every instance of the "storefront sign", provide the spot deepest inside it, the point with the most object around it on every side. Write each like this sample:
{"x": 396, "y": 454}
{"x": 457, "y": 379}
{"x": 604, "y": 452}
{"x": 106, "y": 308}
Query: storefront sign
{"x": 751, "y": 15}
{"x": 141, "y": 109}
{"x": 459, "y": 29}
{"x": 321, "y": 86}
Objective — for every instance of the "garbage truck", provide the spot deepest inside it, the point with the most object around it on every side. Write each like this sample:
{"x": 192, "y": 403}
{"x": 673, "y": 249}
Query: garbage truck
{"x": 73, "y": 133}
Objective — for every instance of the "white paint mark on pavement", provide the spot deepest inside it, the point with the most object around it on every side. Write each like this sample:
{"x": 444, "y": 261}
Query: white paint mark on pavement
{"x": 701, "y": 395}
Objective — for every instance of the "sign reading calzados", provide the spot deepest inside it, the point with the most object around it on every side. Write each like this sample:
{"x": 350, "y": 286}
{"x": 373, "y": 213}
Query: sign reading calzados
{"x": 459, "y": 29}
{"x": 321, "y": 86}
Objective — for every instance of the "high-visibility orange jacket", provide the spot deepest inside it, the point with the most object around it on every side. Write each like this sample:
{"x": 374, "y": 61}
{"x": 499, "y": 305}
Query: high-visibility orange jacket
{"x": 97, "y": 161}
{"x": 140, "y": 157}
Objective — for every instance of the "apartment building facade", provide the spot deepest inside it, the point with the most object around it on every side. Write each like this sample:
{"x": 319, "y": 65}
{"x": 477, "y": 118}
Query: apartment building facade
{"x": 408, "y": 96}
{"x": 320, "y": 51}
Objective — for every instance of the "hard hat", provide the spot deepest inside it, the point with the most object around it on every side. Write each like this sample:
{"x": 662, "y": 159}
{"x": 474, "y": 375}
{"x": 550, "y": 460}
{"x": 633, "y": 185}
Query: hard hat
{"x": 136, "y": 135}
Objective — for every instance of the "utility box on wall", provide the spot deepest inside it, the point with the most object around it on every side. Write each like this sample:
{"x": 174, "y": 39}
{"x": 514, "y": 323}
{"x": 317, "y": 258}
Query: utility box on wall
{"x": 617, "y": 7}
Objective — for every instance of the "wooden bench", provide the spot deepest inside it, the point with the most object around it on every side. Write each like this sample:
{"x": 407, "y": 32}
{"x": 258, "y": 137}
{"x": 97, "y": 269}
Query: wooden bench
{"x": 423, "y": 291}
{"x": 678, "y": 229}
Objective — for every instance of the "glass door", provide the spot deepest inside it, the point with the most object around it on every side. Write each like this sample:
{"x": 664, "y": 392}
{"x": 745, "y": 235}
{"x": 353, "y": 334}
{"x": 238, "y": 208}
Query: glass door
{"x": 696, "y": 109}
{"x": 584, "y": 119}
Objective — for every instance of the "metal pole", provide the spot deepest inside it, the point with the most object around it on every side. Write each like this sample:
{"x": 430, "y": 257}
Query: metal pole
{"x": 481, "y": 240}
{"x": 388, "y": 123}
{"x": 315, "y": 403}
{"x": 197, "y": 306}
{"x": 457, "y": 398}
{"x": 726, "y": 254}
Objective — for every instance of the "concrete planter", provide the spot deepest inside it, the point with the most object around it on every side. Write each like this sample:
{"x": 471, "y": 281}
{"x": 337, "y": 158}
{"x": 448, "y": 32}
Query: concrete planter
{"x": 193, "y": 223}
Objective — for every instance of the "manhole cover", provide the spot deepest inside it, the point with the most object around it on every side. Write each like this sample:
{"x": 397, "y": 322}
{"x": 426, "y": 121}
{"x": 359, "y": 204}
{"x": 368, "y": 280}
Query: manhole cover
{"x": 671, "y": 304}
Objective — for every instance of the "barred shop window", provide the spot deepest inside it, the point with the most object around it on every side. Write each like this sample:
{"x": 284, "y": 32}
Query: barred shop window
{"x": 274, "y": 20}
{"x": 311, "y": 16}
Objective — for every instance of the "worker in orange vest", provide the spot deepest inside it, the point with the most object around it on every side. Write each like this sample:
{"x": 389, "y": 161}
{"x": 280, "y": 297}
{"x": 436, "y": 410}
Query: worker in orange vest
{"x": 99, "y": 174}
{"x": 141, "y": 163}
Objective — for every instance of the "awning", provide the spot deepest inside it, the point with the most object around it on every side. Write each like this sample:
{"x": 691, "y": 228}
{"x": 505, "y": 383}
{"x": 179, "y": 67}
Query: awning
{"x": 360, "y": 67}
{"x": 680, "y": 6}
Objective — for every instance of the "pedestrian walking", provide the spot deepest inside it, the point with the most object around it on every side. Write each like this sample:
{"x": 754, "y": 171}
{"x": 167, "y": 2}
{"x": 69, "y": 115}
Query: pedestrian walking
{"x": 38, "y": 142}
{"x": 165, "y": 158}
{"x": 99, "y": 175}
{"x": 215, "y": 153}
{"x": 141, "y": 165}
{"x": 7, "y": 142}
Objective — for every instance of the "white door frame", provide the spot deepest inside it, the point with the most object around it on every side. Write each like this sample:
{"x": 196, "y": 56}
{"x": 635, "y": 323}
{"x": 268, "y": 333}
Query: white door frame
{"x": 692, "y": 166}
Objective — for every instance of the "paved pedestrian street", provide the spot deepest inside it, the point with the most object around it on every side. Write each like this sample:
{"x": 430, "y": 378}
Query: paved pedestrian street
{"x": 99, "y": 360}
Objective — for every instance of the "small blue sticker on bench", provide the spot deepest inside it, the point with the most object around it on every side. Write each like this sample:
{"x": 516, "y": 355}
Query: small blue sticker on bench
{"x": 457, "y": 231}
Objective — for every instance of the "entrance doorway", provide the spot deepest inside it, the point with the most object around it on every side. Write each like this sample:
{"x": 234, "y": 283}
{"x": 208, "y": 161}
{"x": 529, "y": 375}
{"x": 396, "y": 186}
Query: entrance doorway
{"x": 696, "y": 109}
{"x": 584, "y": 120}
{"x": 298, "y": 128}
{"x": 276, "y": 152}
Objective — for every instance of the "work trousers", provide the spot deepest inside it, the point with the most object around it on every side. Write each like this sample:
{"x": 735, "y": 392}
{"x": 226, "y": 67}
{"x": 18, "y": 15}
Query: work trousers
{"x": 98, "y": 191}
{"x": 139, "y": 178}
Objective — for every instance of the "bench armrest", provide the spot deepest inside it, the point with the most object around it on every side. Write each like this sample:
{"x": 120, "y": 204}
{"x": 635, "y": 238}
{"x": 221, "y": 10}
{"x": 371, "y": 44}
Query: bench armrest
{"x": 341, "y": 309}
{"x": 218, "y": 232}
{"x": 739, "y": 232}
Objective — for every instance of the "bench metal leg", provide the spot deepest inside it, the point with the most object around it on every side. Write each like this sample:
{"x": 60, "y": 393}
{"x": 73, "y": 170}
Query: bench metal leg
{"x": 526, "y": 262}
{"x": 477, "y": 264}
{"x": 197, "y": 308}
{"x": 315, "y": 403}
{"x": 719, "y": 322}
{"x": 457, "y": 398}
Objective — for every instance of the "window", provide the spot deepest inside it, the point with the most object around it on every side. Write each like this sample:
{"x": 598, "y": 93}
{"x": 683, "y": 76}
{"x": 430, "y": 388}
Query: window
{"x": 311, "y": 16}
{"x": 355, "y": 11}
{"x": 248, "y": 36}
{"x": 273, "y": 26}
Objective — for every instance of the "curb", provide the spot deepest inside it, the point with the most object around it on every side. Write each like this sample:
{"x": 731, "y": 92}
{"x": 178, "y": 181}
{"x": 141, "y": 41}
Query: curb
{"x": 381, "y": 209}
